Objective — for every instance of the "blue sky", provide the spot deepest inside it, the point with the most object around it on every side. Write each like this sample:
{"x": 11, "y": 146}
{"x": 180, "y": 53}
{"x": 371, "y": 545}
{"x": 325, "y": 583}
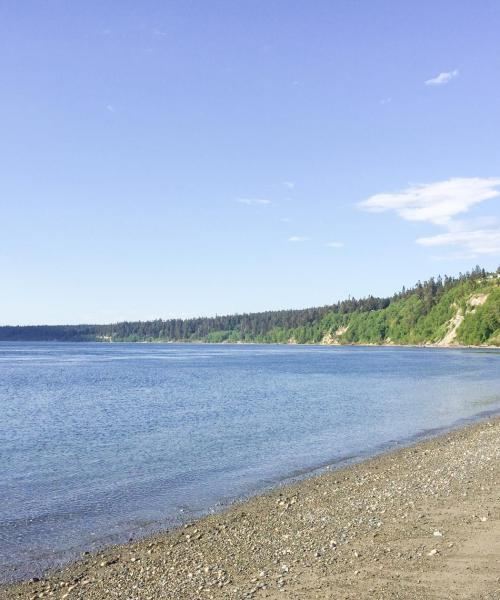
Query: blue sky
{"x": 165, "y": 159}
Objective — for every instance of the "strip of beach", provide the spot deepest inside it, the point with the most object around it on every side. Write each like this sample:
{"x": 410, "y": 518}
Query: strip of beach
{"x": 419, "y": 523}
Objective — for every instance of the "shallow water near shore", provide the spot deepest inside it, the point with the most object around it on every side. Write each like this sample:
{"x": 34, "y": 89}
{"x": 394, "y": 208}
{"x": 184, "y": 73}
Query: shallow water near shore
{"x": 100, "y": 442}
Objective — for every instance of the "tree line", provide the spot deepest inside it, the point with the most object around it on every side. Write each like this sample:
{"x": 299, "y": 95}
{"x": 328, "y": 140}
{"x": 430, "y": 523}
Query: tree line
{"x": 276, "y": 325}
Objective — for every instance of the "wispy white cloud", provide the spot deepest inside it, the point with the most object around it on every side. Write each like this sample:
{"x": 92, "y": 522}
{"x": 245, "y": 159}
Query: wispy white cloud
{"x": 297, "y": 238}
{"x": 110, "y": 108}
{"x": 387, "y": 100}
{"x": 435, "y": 202}
{"x": 286, "y": 219}
{"x": 442, "y": 78}
{"x": 334, "y": 244}
{"x": 439, "y": 203}
{"x": 474, "y": 241}
{"x": 253, "y": 201}
{"x": 289, "y": 184}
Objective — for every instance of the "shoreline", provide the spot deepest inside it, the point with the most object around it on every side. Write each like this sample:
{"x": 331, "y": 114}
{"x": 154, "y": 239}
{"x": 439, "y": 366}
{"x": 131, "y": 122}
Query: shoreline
{"x": 306, "y": 344}
{"x": 163, "y": 527}
{"x": 320, "y": 522}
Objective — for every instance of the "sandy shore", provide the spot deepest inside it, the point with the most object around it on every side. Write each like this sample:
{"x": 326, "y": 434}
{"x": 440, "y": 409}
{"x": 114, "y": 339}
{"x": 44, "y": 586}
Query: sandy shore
{"x": 422, "y": 522}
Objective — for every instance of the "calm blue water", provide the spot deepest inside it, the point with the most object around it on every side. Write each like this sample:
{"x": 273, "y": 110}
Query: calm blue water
{"x": 101, "y": 442}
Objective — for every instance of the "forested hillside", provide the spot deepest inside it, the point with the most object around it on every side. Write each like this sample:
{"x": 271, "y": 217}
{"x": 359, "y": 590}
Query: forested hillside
{"x": 449, "y": 310}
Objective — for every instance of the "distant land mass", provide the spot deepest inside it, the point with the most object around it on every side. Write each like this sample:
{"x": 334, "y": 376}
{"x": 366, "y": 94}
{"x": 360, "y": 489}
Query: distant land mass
{"x": 462, "y": 310}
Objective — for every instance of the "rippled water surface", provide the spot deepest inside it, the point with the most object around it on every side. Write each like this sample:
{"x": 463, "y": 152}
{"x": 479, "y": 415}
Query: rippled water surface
{"x": 100, "y": 442}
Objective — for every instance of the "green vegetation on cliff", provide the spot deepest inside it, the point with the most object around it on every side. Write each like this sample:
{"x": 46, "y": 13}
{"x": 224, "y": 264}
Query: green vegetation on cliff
{"x": 449, "y": 310}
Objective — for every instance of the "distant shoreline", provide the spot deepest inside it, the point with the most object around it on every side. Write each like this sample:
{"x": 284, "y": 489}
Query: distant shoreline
{"x": 450, "y": 311}
{"x": 419, "y": 514}
{"x": 306, "y": 344}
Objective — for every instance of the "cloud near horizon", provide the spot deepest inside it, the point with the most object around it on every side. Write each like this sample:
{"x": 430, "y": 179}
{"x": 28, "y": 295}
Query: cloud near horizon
{"x": 435, "y": 202}
{"x": 253, "y": 201}
{"x": 297, "y": 238}
{"x": 334, "y": 244}
{"x": 439, "y": 203}
{"x": 442, "y": 78}
{"x": 478, "y": 241}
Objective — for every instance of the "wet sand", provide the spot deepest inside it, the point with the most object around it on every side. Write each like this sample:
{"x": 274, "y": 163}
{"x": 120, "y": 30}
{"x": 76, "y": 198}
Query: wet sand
{"x": 419, "y": 523}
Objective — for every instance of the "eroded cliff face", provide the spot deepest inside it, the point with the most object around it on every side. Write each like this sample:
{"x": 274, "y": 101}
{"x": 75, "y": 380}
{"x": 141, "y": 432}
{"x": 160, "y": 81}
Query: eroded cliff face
{"x": 450, "y": 337}
{"x": 333, "y": 338}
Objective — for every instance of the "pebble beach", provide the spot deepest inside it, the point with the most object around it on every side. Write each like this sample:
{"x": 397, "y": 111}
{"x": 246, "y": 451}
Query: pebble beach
{"x": 422, "y": 522}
